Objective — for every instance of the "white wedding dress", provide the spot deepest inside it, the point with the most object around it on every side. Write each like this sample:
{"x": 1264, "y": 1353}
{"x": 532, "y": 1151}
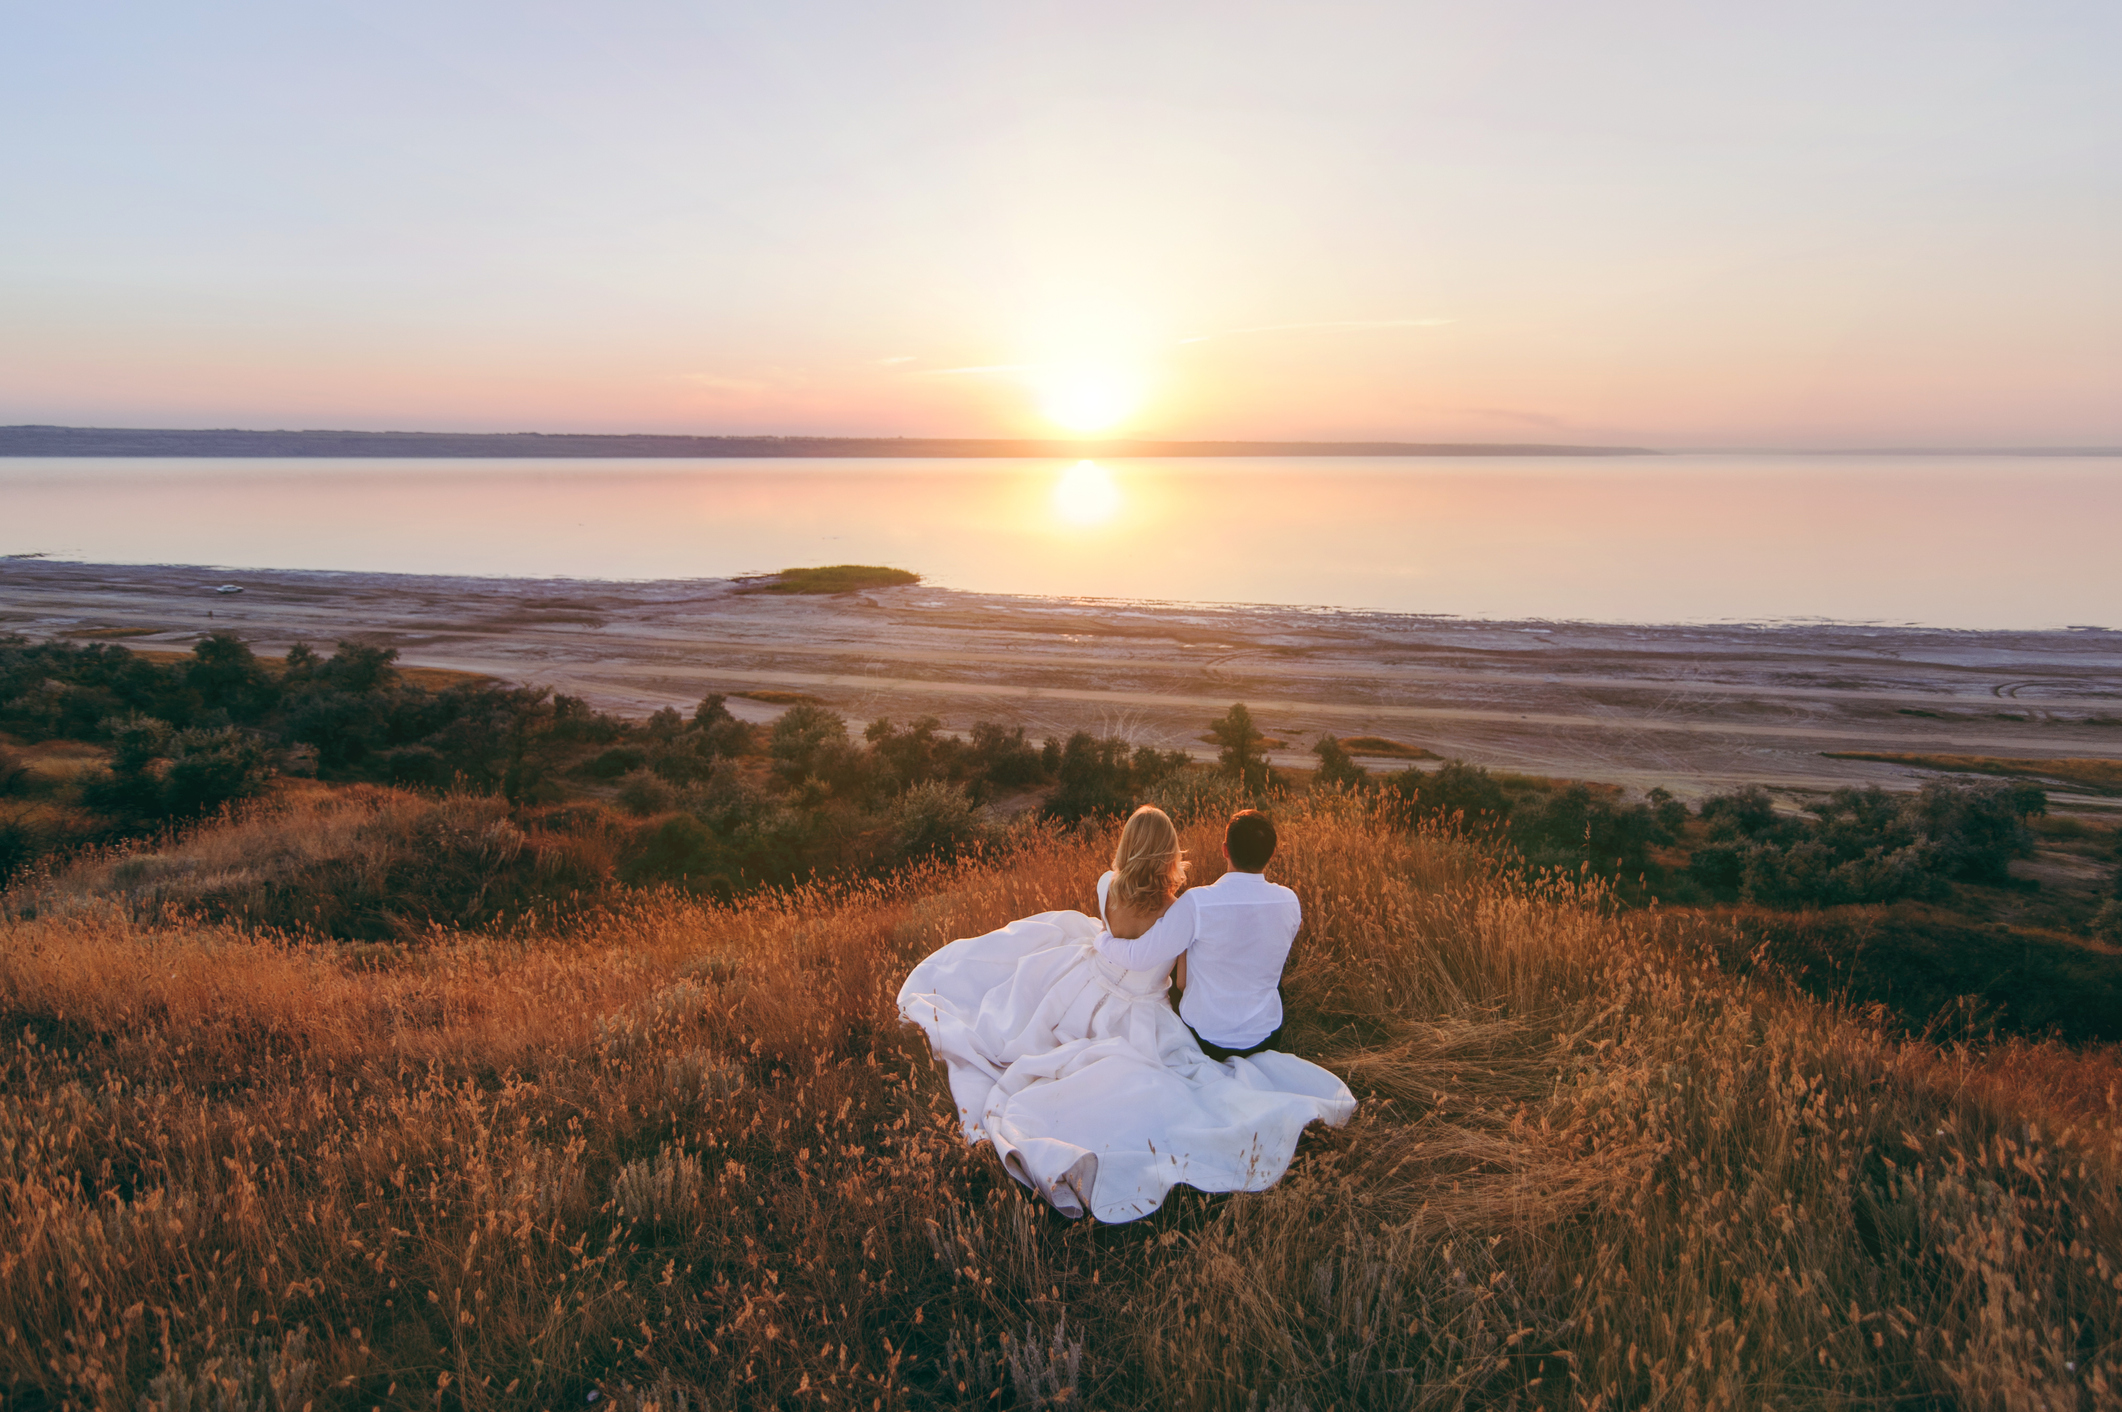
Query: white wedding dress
{"x": 1090, "y": 1086}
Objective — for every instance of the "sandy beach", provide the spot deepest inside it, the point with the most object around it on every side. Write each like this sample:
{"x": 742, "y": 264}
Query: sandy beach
{"x": 1693, "y": 708}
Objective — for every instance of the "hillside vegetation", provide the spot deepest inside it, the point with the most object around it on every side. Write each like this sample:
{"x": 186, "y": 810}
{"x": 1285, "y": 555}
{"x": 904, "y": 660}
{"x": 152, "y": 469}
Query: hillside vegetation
{"x": 674, "y": 1152}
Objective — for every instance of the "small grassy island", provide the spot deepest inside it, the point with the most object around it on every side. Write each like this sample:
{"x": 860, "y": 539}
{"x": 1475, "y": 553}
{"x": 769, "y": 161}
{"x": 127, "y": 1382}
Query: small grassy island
{"x": 1378, "y": 747}
{"x": 832, "y": 578}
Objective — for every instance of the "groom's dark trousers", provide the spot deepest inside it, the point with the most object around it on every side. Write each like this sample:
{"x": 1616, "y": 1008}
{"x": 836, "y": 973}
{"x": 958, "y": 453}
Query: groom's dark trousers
{"x": 1218, "y": 1053}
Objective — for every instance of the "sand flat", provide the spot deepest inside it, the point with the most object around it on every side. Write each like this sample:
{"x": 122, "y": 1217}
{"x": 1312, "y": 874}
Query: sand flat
{"x": 1693, "y": 707}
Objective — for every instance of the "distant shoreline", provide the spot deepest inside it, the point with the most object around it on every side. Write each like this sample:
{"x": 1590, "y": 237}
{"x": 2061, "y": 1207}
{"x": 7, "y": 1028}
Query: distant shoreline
{"x": 1694, "y": 708}
{"x": 131, "y": 441}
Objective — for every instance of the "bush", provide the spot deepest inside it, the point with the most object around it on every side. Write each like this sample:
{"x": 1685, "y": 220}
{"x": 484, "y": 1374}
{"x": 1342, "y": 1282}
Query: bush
{"x": 1336, "y": 768}
{"x": 642, "y": 794}
{"x": 932, "y": 820}
{"x": 1719, "y": 867}
{"x": 1864, "y": 845}
{"x": 415, "y": 766}
{"x": 1747, "y": 812}
{"x": 1098, "y": 779}
{"x": 678, "y": 849}
{"x": 1454, "y": 791}
{"x": 210, "y": 769}
{"x": 1575, "y": 828}
{"x": 684, "y": 761}
{"x": 915, "y": 755}
{"x": 722, "y": 736}
{"x": 811, "y": 753}
{"x": 1977, "y": 828}
{"x": 1243, "y": 755}
{"x": 1003, "y": 758}
{"x": 618, "y": 760}
{"x": 1671, "y": 812}
{"x": 158, "y": 773}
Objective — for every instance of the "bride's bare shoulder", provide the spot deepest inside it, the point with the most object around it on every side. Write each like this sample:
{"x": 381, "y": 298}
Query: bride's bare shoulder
{"x": 1128, "y": 922}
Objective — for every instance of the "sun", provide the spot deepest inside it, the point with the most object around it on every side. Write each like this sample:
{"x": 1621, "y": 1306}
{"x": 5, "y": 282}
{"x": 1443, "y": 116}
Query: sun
{"x": 1086, "y": 495}
{"x": 1084, "y": 398}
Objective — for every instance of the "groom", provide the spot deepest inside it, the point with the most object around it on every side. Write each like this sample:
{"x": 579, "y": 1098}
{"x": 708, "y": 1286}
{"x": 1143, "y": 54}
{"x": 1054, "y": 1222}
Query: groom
{"x": 1231, "y": 939}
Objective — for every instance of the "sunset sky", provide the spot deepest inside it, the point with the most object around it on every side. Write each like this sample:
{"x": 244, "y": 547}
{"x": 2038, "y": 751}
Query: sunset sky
{"x": 1680, "y": 225}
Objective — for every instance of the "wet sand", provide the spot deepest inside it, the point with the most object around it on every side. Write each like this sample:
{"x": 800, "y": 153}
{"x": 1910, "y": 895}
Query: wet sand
{"x": 1694, "y": 708}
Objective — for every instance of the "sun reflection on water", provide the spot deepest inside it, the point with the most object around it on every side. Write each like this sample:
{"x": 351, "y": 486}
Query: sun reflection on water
{"x": 1085, "y": 494}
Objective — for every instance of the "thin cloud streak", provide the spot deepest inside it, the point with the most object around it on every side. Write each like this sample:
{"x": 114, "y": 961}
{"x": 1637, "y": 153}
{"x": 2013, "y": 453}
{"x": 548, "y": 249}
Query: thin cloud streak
{"x": 984, "y": 368}
{"x": 1330, "y": 324}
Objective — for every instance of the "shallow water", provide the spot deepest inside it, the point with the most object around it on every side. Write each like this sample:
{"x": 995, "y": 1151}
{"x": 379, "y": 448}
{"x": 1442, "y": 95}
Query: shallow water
{"x": 1974, "y": 542}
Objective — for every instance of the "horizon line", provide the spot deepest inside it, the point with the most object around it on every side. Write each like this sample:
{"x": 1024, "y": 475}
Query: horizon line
{"x": 50, "y": 439}
{"x": 35, "y": 439}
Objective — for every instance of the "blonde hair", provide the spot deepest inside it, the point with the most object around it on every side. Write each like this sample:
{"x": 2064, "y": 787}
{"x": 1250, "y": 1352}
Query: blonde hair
{"x": 1148, "y": 866}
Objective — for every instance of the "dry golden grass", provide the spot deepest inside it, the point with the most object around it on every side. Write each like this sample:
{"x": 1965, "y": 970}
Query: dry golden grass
{"x": 684, "y": 1155}
{"x": 36, "y": 783}
{"x": 57, "y": 758}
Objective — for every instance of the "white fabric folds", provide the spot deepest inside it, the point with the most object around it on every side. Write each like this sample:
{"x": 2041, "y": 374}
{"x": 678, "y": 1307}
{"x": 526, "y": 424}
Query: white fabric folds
{"x": 1093, "y": 1092}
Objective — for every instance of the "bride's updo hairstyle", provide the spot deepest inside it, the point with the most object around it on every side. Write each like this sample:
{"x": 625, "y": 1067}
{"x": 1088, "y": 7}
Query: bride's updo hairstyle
{"x": 1147, "y": 865}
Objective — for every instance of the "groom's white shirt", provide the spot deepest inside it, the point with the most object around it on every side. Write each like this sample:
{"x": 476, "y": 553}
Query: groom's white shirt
{"x": 1236, "y": 933}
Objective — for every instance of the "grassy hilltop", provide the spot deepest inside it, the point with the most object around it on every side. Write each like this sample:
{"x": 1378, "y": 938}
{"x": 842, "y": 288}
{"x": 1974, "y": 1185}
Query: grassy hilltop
{"x": 376, "y": 1038}
{"x": 680, "y": 1153}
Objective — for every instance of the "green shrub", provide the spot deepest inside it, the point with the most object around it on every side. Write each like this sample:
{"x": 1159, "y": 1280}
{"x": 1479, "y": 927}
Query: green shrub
{"x": 932, "y": 820}
{"x": 1336, "y": 768}
{"x": 643, "y": 794}
{"x": 1864, "y": 845}
{"x": 1243, "y": 755}
{"x": 810, "y": 751}
{"x": 1454, "y": 791}
{"x": 722, "y": 736}
{"x": 618, "y": 760}
{"x": 1106, "y": 778}
{"x": 679, "y": 849}
{"x": 1575, "y": 828}
{"x": 1003, "y": 758}
{"x": 157, "y": 772}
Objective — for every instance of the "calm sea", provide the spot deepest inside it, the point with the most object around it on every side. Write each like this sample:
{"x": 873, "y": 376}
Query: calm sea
{"x": 1975, "y": 542}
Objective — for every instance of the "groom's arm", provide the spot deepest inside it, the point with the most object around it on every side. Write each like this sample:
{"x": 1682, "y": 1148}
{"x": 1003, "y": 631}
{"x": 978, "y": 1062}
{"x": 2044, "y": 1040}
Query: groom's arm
{"x": 1158, "y": 947}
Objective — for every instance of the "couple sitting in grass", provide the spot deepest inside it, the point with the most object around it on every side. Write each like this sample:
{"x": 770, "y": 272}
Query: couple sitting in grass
{"x": 1065, "y": 1051}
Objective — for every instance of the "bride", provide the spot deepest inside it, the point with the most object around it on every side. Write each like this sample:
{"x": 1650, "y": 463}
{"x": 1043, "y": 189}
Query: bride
{"x": 1089, "y": 1085}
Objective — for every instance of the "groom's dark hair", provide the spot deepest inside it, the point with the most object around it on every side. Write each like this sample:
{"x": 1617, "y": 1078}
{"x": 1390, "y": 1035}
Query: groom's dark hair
{"x": 1250, "y": 840}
